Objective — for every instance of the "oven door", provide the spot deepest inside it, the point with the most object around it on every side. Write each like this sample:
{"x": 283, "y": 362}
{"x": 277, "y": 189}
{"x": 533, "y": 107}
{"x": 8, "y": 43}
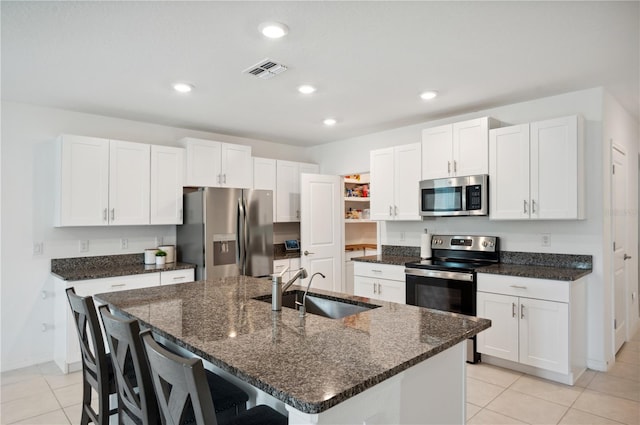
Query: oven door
{"x": 454, "y": 292}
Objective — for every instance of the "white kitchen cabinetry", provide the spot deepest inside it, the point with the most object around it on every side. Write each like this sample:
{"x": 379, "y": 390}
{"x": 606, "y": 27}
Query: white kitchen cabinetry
{"x": 537, "y": 325}
{"x": 288, "y": 188}
{"x": 264, "y": 177}
{"x": 395, "y": 176}
{"x": 379, "y": 281}
{"x": 66, "y": 348}
{"x": 536, "y": 170}
{"x": 217, "y": 164}
{"x": 458, "y": 149}
{"x": 102, "y": 182}
{"x": 280, "y": 265}
{"x": 167, "y": 177}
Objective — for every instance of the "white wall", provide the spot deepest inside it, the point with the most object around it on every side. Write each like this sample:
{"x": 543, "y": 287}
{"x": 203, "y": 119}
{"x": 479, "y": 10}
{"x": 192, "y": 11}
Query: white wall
{"x": 28, "y": 133}
{"x": 572, "y": 237}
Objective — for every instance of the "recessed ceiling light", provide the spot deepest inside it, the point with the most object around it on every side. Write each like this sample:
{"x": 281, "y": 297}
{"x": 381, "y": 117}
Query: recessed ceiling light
{"x": 306, "y": 89}
{"x": 428, "y": 95}
{"x": 273, "y": 29}
{"x": 329, "y": 122}
{"x": 182, "y": 87}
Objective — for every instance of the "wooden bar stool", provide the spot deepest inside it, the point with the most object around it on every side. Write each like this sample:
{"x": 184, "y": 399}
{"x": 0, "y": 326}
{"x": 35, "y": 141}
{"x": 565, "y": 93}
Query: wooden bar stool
{"x": 97, "y": 368}
{"x": 182, "y": 391}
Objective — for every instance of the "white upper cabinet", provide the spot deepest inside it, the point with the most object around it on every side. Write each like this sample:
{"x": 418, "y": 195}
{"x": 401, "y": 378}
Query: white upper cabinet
{"x": 458, "y": 149}
{"x": 536, "y": 170}
{"x": 102, "y": 182}
{"x": 288, "y": 188}
{"x": 82, "y": 181}
{"x": 167, "y": 177}
{"x": 395, "y": 176}
{"x": 217, "y": 164}
{"x": 264, "y": 176}
{"x": 111, "y": 182}
{"x": 129, "y": 182}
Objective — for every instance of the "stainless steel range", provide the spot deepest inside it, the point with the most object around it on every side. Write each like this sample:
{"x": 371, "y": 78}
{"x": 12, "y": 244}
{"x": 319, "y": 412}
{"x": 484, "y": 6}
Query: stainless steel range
{"x": 447, "y": 281}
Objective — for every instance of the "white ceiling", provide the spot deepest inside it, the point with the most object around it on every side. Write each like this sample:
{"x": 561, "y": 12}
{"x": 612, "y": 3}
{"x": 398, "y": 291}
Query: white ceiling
{"x": 369, "y": 60}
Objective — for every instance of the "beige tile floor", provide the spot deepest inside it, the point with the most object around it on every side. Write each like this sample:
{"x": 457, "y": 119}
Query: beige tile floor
{"x": 43, "y": 395}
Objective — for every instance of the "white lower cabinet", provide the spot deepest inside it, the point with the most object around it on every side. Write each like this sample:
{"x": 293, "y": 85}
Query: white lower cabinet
{"x": 280, "y": 265}
{"x": 536, "y": 324}
{"x": 66, "y": 348}
{"x": 379, "y": 281}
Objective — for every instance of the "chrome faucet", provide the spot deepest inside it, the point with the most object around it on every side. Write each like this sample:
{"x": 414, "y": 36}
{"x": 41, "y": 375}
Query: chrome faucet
{"x": 303, "y": 306}
{"x": 277, "y": 287}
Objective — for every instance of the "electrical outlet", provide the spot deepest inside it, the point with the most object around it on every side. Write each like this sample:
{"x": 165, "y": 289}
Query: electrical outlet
{"x": 38, "y": 248}
{"x": 83, "y": 246}
{"x": 546, "y": 239}
{"x": 124, "y": 243}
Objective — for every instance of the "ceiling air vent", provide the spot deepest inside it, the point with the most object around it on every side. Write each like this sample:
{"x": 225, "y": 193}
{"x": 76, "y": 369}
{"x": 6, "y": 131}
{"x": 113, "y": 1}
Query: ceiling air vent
{"x": 265, "y": 69}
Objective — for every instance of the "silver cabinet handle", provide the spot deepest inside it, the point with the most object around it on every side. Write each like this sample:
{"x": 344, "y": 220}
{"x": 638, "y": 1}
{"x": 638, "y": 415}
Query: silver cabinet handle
{"x": 374, "y": 288}
{"x": 379, "y": 288}
{"x": 116, "y": 285}
{"x": 513, "y": 309}
{"x": 376, "y": 271}
{"x": 390, "y": 211}
{"x": 297, "y": 213}
{"x": 525, "y": 206}
{"x": 518, "y": 286}
{"x": 395, "y": 208}
{"x": 308, "y": 253}
{"x": 522, "y": 311}
{"x": 179, "y": 277}
{"x": 181, "y": 218}
{"x": 225, "y": 178}
{"x": 104, "y": 215}
{"x": 455, "y": 166}
{"x": 449, "y": 167}
{"x": 113, "y": 214}
{"x": 533, "y": 206}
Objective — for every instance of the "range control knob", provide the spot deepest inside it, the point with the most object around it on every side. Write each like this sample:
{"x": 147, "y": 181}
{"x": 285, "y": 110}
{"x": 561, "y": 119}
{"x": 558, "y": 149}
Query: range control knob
{"x": 485, "y": 244}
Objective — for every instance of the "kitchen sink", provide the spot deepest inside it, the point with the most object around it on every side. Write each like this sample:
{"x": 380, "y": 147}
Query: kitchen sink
{"x": 320, "y": 305}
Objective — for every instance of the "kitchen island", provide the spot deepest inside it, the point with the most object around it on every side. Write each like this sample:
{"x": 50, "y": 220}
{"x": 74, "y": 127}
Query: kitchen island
{"x": 390, "y": 364}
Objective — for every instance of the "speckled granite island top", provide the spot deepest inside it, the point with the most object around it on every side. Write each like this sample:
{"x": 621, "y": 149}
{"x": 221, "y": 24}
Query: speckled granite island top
{"x": 311, "y": 364}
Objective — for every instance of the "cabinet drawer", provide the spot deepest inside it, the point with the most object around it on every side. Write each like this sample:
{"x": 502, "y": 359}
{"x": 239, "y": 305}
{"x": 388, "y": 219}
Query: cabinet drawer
{"x": 543, "y": 289}
{"x": 114, "y": 284}
{"x": 176, "y": 276}
{"x": 381, "y": 271}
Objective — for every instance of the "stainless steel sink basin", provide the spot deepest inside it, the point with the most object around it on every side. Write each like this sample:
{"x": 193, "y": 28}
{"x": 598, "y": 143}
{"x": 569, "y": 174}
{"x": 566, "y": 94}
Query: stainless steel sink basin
{"x": 317, "y": 304}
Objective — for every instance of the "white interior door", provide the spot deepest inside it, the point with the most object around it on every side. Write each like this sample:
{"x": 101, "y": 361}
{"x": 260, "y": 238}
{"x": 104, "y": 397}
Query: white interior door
{"x": 619, "y": 207}
{"x": 321, "y": 229}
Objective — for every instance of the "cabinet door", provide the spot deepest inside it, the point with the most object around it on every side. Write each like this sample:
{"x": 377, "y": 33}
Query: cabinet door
{"x": 406, "y": 182}
{"x": 509, "y": 173}
{"x": 365, "y": 287}
{"x": 471, "y": 147}
{"x": 83, "y": 184}
{"x": 236, "y": 166}
{"x": 279, "y": 266}
{"x": 167, "y": 176}
{"x": 437, "y": 151}
{"x": 203, "y": 162}
{"x": 287, "y": 183}
{"x": 501, "y": 339}
{"x": 392, "y": 291}
{"x": 554, "y": 169}
{"x": 264, "y": 177}
{"x": 382, "y": 184}
{"x": 544, "y": 334}
{"x": 129, "y": 182}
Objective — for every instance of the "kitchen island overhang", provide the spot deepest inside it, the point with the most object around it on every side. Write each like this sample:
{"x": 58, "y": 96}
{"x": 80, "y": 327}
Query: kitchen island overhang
{"x": 316, "y": 366}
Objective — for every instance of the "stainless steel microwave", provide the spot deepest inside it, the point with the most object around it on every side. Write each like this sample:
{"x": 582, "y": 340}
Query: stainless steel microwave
{"x": 454, "y": 196}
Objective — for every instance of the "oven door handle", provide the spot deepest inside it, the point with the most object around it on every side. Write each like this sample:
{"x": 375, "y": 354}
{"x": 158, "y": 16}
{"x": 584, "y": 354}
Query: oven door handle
{"x": 439, "y": 274}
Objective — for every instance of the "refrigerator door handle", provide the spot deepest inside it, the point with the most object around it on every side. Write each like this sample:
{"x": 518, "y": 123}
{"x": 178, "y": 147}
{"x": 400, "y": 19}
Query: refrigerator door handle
{"x": 239, "y": 236}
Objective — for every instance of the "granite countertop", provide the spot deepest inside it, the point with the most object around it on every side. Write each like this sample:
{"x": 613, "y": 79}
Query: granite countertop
{"x": 311, "y": 364}
{"x": 535, "y": 271}
{"x": 397, "y": 260}
{"x": 83, "y": 268}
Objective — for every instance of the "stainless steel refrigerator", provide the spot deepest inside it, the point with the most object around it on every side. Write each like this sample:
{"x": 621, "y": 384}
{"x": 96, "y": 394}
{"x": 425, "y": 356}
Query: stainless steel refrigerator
{"x": 227, "y": 232}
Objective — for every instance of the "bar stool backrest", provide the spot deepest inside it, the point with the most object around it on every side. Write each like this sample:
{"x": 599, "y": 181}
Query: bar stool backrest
{"x": 95, "y": 369}
{"x": 180, "y": 384}
{"x": 127, "y": 354}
